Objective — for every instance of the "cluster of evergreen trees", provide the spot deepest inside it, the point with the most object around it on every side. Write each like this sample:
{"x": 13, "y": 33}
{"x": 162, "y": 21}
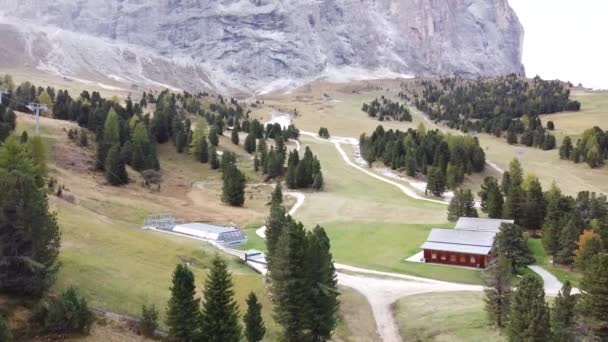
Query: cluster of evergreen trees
{"x": 525, "y": 314}
{"x": 216, "y": 319}
{"x": 495, "y": 105}
{"x": 302, "y": 274}
{"x": 444, "y": 159}
{"x": 305, "y": 172}
{"x": 386, "y": 109}
{"x": 531, "y": 133}
{"x": 573, "y": 229}
{"x": 591, "y": 148}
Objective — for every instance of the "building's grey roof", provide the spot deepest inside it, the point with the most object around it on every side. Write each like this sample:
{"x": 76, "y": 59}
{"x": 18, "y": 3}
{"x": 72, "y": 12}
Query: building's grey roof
{"x": 464, "y": 241}
{"x": 207, "y": 228}
{"x": 480, "y": 224}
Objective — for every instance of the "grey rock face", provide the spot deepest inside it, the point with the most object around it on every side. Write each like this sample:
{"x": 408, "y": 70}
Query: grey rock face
{"x": 245, "y": 44}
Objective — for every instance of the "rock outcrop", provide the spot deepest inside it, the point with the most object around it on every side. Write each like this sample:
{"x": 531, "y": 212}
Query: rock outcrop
{"x": 249, "y": 44}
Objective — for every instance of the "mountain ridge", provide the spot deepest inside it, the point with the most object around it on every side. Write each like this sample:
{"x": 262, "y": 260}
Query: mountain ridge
{"x": 244, "y": 45}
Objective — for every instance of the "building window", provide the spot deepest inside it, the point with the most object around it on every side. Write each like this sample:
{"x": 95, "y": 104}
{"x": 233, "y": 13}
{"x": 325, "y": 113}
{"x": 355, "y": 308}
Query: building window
{"x": 433, "y": 255}
{"x": 443, "y": 257}
{"x": 452, "y": 258}
{"x": 473, "y": 260}
{"x": 463, "y": 259}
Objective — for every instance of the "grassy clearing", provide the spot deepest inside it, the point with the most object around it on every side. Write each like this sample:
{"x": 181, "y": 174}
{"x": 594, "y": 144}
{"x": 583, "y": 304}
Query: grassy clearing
{"x": 452, "y": 316}
{"x": 594, "y": 112}
{"x": 120, "y": 268}
{"x": 350, "y": 195}
{"x": 562, "y": 273}
{"x": 356, "y": 319}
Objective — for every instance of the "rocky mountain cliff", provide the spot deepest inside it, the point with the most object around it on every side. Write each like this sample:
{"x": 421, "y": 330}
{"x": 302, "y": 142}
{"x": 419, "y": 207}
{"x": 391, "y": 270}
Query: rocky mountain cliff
{"x": 256, "y": 45}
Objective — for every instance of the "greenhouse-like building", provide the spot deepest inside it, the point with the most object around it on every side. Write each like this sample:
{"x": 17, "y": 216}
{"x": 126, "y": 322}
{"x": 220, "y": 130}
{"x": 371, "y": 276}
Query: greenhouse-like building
{"x": 228, "y": 236}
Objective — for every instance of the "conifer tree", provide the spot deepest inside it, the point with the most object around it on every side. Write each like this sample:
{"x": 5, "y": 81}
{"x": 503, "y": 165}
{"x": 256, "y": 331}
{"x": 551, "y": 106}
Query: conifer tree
{"x": 317, "y": 182}
{"x": 435, "y": 182}
{"x": 497, "y": 278}
{"x": 213, "y": 136}
{"x": 274, "y": 225}
{"x": 290, "y": 282}
{"x": 254, "y": 324}
{"x": 290, "y": 178}
{"x": 256, "y": 163}
{"x": 249, "y": 143}
{"x": 491, "y": 197}
{"x": 203, "y": 150}
{"x": 29, "y": 233}
{"x": 233, "y": 190}
{"x": 182, "y": 309}
{"x": 529, "y": 315}
{"x": 534, "y": 208}
{"x": 593, "y": 302}
{"x": 323, "y": 286}
{"x": 562, "y": 314}
{"x": 220, "y": 313}
{"x": 568, "y": 238}
{"x": 234, "y": 136}
{"x": 180, "y": 141}
{"x": 24, "y": 137}
{"x": 510, "y": 241}
{"x": 513, "y": 207}
{"x": 115, "y": 171}
{"x": 462, "y": 205}
{"x": 111, "y": 136}
{"x": 565, "y": 150}
{"x": 142, "y": 149}
{"x": 214, "y": 162}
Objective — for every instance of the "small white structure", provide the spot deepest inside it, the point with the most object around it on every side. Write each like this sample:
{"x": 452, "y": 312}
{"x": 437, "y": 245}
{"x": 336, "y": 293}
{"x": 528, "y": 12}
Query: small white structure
{"x": 228, "y": 236}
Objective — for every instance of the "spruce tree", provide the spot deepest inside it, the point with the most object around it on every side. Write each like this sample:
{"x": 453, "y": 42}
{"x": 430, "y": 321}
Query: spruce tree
{"x": 249, "y": 143}
{"x": 29, "y": 235}
{"x": 510, "y": 241}
{"x": 323, "y": 284}
{"x": 529, "y": 314}
{"x": 513, "y": 207}
{"x": 180, "y": 141}
{"x": 290, "y": 282}
{"x": 290, "y": 179}
{"x": 534, "y": 208}
{"x": 565, "y": 150}
{"x": 233, "y": 189}
{"x": 317, "y": 182}
{"x": 569, "y": 236}
{"x": 111, "y": 137}
{"x": 220, "y": 313}
{"x": 115, "y": 171}
{"x": 214, "y": 162}
{"x": 24, "y": 137}
{"x": 203, "y": 150}
{"x": 435, "y": 182}
{"x": 213, "y": 136}
{"x": 562, "y": 314}
{"x": 182, "y": 309}
{"x": 462, "y": 204}
{"x": 256, "y": 163}
{"x": 234, "y": 136}
{"x": 254, "y": 324}
{"x": 497, "y": 278}
{"x": 274, "y": 225}
{"x": 593, "y": 301}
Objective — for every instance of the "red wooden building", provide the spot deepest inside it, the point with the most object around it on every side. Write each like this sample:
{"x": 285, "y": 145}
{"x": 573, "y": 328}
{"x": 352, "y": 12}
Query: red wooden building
{"x": 470, "y": 243}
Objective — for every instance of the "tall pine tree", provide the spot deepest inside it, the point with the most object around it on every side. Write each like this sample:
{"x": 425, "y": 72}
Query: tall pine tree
{"x": 593, "y": 302}
{"x": 220, "y": 313}
{"x": 182, "y": 310}
{"x": 529, "y": 315}
{"x": 254, "y": 324}
{"x": 323, "y": 284}
{"x": 497, "y": 279}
